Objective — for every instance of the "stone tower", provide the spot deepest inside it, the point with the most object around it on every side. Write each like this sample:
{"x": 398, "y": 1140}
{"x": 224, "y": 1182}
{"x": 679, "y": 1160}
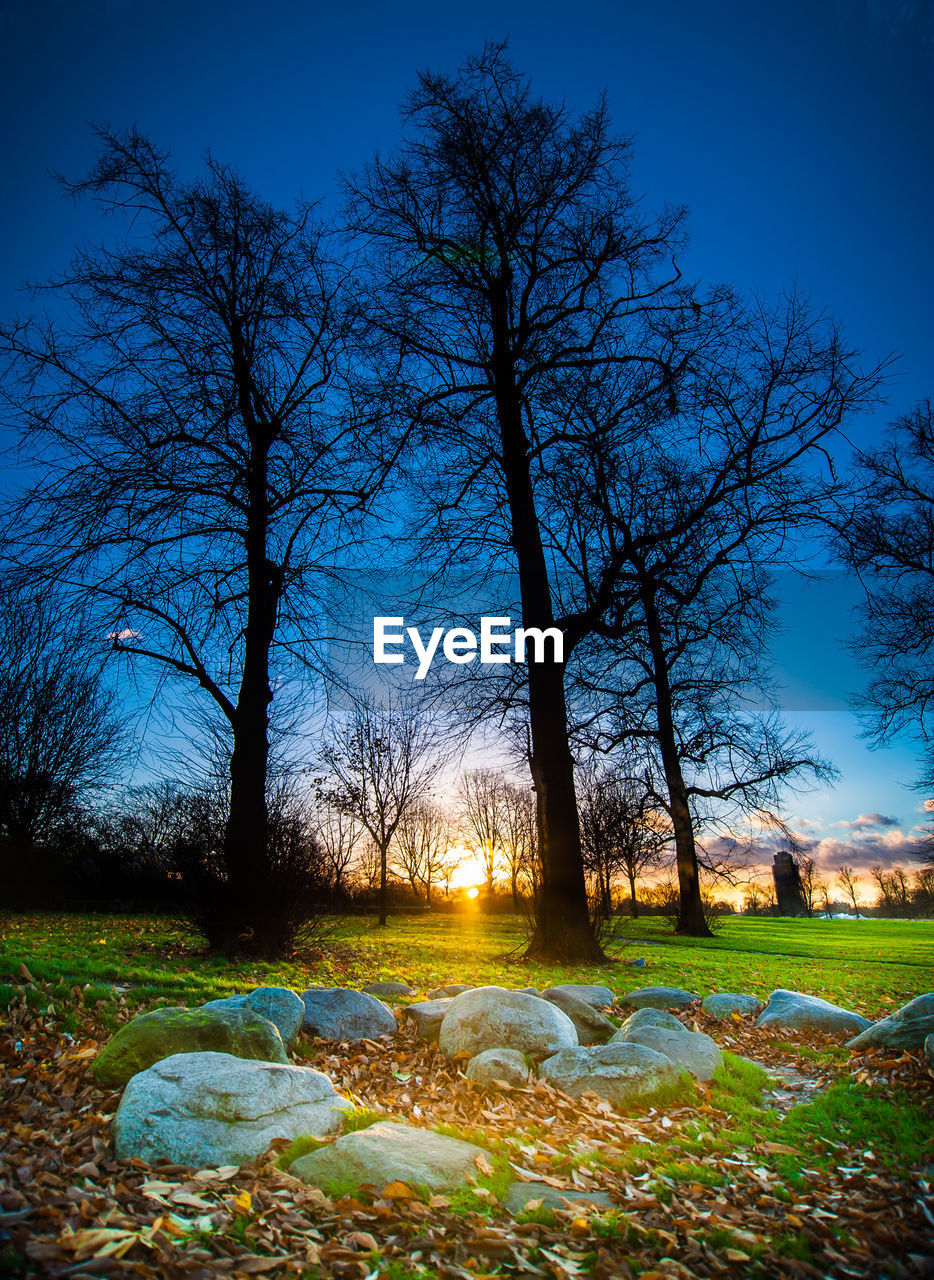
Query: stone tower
{"x": 788, "y": 891}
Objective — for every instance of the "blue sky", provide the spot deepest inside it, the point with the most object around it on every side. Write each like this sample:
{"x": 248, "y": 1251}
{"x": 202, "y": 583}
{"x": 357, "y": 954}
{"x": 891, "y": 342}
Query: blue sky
{"x": 796, "y": 131}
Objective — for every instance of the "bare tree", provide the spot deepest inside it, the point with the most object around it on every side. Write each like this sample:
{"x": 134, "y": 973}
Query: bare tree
{"x": 382, "y": 763}
{"x": 421, "y": 847}
{"x": 813, "y": 885}
{"x": 61, "y": 738}
{"x": 506, "y": 249}
{"x": 190, "y": 459}
{"x": 339, "y": 832}
{"x": 886, "y": 533}
{"x": 520, "y": 841}
{"x": 849, "y": 883}
{"x": 621, "y": 832}
{"x": 481, "y": 796}
{"x": 894, "y": 889}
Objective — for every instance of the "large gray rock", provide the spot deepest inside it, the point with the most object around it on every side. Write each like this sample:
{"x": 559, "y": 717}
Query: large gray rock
{"x": 495, "y": 1065}
{"x": 388, "y": 989}
{"x": 282, "y": 1007}
{"x": 623, "y": 1073}
{"x": 929, "y": 1052}
{"x": 591, "y": 1026}
{"x": 210, "y": 1109}
{"x": 647, "y": 1017}
{"x": 390, "y": 1152}
{"x": 164, "y": 1032}
{"x": 723, "y": 1004}
{"x": 691, "y": 1050}
{"x": 597, "y": 997}
{"x": 795, "y": 1010}
{"x": 451, "y": 990}
{"x": 906, "y": 1028}
{"x": 656, "y": 998}
{"x": 493, "y": 1018}
{"x": 337, "y": 1013}
{"x": 428, "y": 1016}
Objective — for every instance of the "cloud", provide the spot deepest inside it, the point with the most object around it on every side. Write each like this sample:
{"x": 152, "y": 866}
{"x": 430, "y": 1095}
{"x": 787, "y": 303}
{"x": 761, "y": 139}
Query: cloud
{"x": 126, "y": 634}
{"x": 869, "y": 821}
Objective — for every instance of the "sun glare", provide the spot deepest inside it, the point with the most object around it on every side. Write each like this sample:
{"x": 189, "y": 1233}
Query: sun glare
{"x": 469, "y": 869}
{"x": 473, "y": 892}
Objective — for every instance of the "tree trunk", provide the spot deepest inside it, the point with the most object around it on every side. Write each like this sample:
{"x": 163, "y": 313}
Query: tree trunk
{"x": 691, "y": 918}
{"x": 383, "y": 890}
{"x": 563, "y": 931}
{"x": 633, "y": 908}
{"x": 246, "y": 834}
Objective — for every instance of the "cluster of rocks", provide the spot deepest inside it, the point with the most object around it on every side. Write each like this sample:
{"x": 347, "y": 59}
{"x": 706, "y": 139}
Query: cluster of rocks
{"x": 214, "y": 1085}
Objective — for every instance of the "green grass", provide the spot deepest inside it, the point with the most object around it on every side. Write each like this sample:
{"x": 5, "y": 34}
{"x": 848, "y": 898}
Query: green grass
{"x": 894, "y": 1127}
{"x": 870, "y": 966}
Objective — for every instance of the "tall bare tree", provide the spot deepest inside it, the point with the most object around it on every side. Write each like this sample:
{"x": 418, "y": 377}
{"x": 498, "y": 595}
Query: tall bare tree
{"x": 668, "y": 541}
{"x": 189, "y": 456}
{"x": 536, "y": 322}
{"x": 506, "y": 249}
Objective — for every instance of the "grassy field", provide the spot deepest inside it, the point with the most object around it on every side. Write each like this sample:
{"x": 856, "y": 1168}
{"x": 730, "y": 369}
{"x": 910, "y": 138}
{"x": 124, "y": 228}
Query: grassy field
{"x": 868, "y": 966}
{"x": 823, "y": 1172}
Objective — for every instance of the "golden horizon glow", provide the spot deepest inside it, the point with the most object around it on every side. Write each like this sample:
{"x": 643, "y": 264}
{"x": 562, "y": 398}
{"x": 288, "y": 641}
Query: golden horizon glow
{"x": 473, "y": 892}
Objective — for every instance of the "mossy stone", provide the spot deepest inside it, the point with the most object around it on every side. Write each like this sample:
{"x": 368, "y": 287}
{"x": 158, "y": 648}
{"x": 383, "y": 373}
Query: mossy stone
{"x": 153, "y": 1036}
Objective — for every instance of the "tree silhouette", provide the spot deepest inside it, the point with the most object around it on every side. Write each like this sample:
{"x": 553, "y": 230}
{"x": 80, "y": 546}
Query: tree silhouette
{"x": 886, "y": 534}
{"x": 190, "y": 466}
{"x": 505, "y": 250}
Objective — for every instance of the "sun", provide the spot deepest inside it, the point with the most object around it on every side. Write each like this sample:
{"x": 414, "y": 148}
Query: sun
{"x": 469, "y": 869}
{"x": 473, "y": 892}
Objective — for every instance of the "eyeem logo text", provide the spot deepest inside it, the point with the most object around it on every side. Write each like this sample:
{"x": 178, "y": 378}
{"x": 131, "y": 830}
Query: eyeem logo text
{"x": 495, "y": 646}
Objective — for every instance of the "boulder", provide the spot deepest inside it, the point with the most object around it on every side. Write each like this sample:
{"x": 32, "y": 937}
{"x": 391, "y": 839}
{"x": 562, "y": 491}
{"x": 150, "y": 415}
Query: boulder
{"x": 210, "y": 1109}
{"x": 227, "y": 1002}
{"x": 529, "y": 991}
{"x": 623, "y": 1073}
{"x": 646, "y": 1017}
{"x": 336, "y": 1013}
{"x": 493, "y": 1018}
{"x": 929, "y": 1052}
{"x": 521, "y": 1194}
{"x": 391, "y": 1152}
{"x": 591, "y": 1026}
{"x": 656, "y": 998}
{"x": 691, "y": 1050}
{"x": 495, "y": 1065}
{"x": 282, "y": 1007}
{"x": 162, "y": 1033}
{"x": 451, "y": 990}
{"x": 388, "y": 989}
{"x": 795, "y": 1009}
{"x": 596, "y": 997}
{"x": 428, "y": 1016}
{"x": 723, "y": 1004}
{"x": 906, "y": 1028}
